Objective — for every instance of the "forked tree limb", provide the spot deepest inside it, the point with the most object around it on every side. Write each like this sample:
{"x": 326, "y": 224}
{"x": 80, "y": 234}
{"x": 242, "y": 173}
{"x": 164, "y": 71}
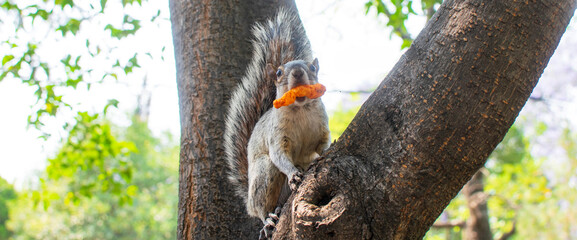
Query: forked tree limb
{"x": 431, "y": 124}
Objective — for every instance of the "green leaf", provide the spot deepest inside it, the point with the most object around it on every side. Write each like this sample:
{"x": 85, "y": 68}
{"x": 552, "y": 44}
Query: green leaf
{"x": 63, "y": 3}
{"x": 131, "y": 190}
{"x": 126, "y": 2}
{"x": 102, "y": 5}
{"x": 46, "y": 69}
{"x": 9, "y": 6}
{"x": 72, "y": 26}
{"x": 36, "y": 197}
{"x": 132, "y": 63}
{"x": 406, "y": 43}
{"x": 51, "y": 108}
{"x": 3, "y": 75}
{"x": 368, "y": 6}
{"x": 541, "y": 128}
{"x": 410, "y": 8}
{"x": 43, "y": 14}
{"x": 66, "y": 60}
{"x": 70, "y": 197}
{"x": 6, "y": 59}
{"x": 133, "y": 25}
{"x": 355, "y": 96}
{"x": 155, "y": 16}
{"x": 74, "y": 82}
{"x": 111, "y": 103}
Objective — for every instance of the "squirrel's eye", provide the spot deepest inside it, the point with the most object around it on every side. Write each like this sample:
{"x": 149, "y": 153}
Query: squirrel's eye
{"x": 313, "y": 68}
{"x": 279, "y": 73}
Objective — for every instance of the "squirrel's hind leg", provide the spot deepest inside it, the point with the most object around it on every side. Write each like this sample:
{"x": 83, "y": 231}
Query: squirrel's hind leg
{"x": 273, "y": 217}
{"x": 264, "y": 187}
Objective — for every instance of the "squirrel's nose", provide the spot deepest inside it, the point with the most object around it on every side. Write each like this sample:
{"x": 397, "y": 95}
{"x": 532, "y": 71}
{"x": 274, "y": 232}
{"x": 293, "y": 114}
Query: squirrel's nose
{"x": 297, "y": 73}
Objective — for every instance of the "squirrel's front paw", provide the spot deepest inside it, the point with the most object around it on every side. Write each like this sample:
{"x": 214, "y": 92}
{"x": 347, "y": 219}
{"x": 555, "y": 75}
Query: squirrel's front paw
{"x": 295, "y": 180}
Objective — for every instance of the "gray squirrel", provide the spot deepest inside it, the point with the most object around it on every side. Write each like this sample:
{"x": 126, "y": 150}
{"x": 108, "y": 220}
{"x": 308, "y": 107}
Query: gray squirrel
{"x": 268, "y": 149}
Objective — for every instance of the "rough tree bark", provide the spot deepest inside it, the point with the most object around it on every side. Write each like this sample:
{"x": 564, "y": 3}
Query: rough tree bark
{"x": 413, "y": 145}
{"x": 211, "y": 50}
{"x": 431, "y": 124}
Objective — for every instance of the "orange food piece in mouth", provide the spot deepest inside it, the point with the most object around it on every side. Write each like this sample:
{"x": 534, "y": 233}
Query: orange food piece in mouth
{"x": 309, "y": 91}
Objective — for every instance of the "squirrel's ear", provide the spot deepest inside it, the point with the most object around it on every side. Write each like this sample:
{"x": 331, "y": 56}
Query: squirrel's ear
{"x": 316, "y": 64}
{"x": 270, "y": 72}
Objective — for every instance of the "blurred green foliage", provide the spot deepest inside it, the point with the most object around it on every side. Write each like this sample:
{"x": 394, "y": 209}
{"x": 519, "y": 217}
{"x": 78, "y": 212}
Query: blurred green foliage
{"x": 93, "y": 160}
{"x": 339, "y": 121}
{"x": 105, "y": 182}
{"x": 398, "y": 13}
{"x": 91, "y": 30}
{"x": 7, "y": 193}
{"x": 37, "y": 25}
{"x": 150, "y": 214}
{"x": 520, "y": 192}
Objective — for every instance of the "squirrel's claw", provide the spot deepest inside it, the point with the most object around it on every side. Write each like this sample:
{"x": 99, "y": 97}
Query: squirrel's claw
{"x": 296, "y": 180}
{"x": 273, "y": 217}
{"x": 265, "y": 232}
{"x": 271, "y": 221}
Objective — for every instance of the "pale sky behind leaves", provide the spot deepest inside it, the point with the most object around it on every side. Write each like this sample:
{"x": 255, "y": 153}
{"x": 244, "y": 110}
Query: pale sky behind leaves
{"x": 355, "y": 52}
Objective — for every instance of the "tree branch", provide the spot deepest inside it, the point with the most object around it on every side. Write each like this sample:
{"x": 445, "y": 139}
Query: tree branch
{"x": 431, "y": 124}
{"x": 509, "y": 234}
{"x": 450, "y": 224}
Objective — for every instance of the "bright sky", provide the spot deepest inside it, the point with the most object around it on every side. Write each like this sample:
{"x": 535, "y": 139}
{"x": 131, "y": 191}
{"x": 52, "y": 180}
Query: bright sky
{"x": 354, "y": 50}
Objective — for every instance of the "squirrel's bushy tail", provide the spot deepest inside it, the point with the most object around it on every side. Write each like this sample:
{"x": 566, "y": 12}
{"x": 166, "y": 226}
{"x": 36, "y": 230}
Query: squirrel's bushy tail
{"x": 277, "y": 41}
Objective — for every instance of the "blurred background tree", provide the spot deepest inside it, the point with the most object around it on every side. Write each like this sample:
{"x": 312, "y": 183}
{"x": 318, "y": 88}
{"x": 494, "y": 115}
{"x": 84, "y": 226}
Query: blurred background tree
{"x": 107, "y": 180}
{"x": 150, "y": 212}
{"x": 7, "y": 193}
{"x": 63, "y": 50}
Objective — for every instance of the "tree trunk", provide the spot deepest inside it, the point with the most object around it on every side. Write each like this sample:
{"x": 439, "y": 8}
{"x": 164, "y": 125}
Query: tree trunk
{"x": 431, "y": 124}
{"x": 413, "y": 145}
{"x": 477, "y": 227}
{"x": 211, "y": 50}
